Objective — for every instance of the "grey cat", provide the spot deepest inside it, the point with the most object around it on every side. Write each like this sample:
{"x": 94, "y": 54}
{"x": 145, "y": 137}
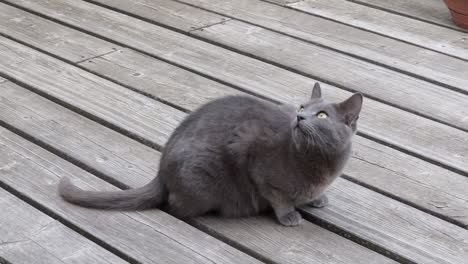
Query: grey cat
{"x": 240, "y": 156}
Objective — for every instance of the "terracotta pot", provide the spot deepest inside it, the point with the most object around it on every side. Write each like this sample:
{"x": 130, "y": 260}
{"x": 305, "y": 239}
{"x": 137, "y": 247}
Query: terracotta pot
{"x": 459, "y": 10}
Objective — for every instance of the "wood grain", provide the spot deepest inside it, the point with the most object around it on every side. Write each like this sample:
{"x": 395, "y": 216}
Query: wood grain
{"x": 416, "y": 32}
{"x": 88, "y": 92}
{"x": 391, "y": 171}
{"x": 148, "y": 237}
{"x": 423, "y": 255}
{"x": 262, "y": 247}
{"x": 170, "y": 13}
{"x": 62, "y": 40}
{"x": 396, "y": 127}
{"x": 30, "y": 236}
{"x": 366, "y": 45}
{"x": 394, "y": 88}
{"x": 421, "y": 238}
{"x": 136, "y": 237}
{"x": 90, "y": 143}
{"x": 433, "y": 11}
{"x": 158, "y": 79}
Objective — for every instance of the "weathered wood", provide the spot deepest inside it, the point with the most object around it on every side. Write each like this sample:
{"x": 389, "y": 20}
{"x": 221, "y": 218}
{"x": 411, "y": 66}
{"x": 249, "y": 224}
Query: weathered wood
{"x": 395, "y": 88}
{"x": 89, "y": 93}
{"x": 407, "y": 131}
{"x": 133, "y": 232}
{"x": 93, "y": 145}
{"x": 392, "y": 53}
{"x": 188, "y": 90}
{"x": 30, "y": 236}
{"x": 434, "y": 11}
{"x": 261, "y": 226}
{"x": 158, "y": 79}
{"x": 352, "y": 73}
{"x": 176, "y": 15}
{"x": 62, "y": 40}
{"x": 376, "y": 81}
{"x": 421, "y": 238}
{"x": 414, "y": 180}
{"x": 423, "y": 34}
{"x": 266, "y": 230}
{"x": 148, "y": 237}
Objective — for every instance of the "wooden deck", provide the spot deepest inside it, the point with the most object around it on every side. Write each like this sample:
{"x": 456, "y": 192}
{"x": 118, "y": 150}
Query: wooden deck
{"x": 92, "y": 89}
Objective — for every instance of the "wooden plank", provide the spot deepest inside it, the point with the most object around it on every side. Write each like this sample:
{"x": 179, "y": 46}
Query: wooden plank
{"x": 158, "y": 79}
{"x": 397, "y": 89}
{"x": 416, "y": 32}
{"x": 76, "y": 136}
{"x": 314, "y": 250}
{"x": 421, "y": 180}
{"x": 62, "y": 40}
{"x": 88, "y": 92}
{"x": 147, "y": 237}
{"x": 382, "y": 50}
{"x": 424, "y": 137}
{"x": 433, "y": 11}
{"x": 428, "y": 186}
{"x": 264, "y": 227}
{"x": 30, "y": 236}
{"x": 352, "y": 73}
{"x": 307, "y": 231}
{"x": 176, "y": 15}
{"x": 434, "y": 241}
{"x": 349, "y": 72}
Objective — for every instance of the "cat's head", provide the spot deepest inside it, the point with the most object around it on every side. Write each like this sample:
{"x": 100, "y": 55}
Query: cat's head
{"x": 323, "y": 125}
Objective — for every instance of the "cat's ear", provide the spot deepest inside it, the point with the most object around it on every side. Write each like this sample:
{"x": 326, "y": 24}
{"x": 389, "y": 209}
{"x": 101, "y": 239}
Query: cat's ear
{"x": 316, "y": 92}
{"x": 351, "y": 107}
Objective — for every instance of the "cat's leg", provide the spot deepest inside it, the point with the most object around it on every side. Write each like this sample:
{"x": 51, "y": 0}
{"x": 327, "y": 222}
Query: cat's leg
{"x": 286, "y": 212}
{"x": 319, "y": 202}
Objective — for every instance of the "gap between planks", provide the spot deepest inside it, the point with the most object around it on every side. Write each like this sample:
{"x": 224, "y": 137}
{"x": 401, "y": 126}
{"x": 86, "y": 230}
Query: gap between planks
{"x": 229, "y": 84}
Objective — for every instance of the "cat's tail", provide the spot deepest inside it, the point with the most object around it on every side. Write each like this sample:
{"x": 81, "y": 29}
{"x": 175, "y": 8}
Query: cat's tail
{"x": 151, "y": 195}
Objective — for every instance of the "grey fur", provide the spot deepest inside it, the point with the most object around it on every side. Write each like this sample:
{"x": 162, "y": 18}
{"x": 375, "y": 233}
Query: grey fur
{"x": 239, "y": 156}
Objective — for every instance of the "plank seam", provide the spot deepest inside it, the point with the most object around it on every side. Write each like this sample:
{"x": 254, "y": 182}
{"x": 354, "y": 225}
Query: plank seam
{"x": 157, "y": 146}
{"x": 361, "y": 28}
{"x": 123, "y": 186}
{"x": 170, "y": 238}
{"x": 406, "y": 15}
{"x": 207, "y": 26}
{"x": 129, "y": 47}
{"x": 207, "y": 76}
{"x": 85, "y": 59}
{"x": 66, "y": 223}
{"x": 231, "y": 242}
{"x": 287, "y": 67}
{"x": 62, "y": 155}
{"x": 387, "y": 66}
{"x": 337, "y": 85}
{"x": 355, "y": 238}
{"x": 412, "y": 153}
{"x": 84, "y": 113}
{"x": 364, "y": 186}
{"x": 113, "y": 182}
{"x": 409, "y": 203}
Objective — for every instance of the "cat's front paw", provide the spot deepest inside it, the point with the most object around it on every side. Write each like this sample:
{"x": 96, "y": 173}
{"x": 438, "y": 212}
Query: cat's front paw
{"x": 319, "y": 202}
{"x": 293, "y": 218}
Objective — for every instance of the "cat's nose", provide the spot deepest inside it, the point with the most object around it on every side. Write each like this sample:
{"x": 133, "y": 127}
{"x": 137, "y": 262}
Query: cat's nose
{"x": 300, "y": 117}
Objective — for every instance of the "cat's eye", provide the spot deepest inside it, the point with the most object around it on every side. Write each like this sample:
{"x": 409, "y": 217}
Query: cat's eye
{"x": 322, "y": 115}
{"x": 301, "y": 109}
